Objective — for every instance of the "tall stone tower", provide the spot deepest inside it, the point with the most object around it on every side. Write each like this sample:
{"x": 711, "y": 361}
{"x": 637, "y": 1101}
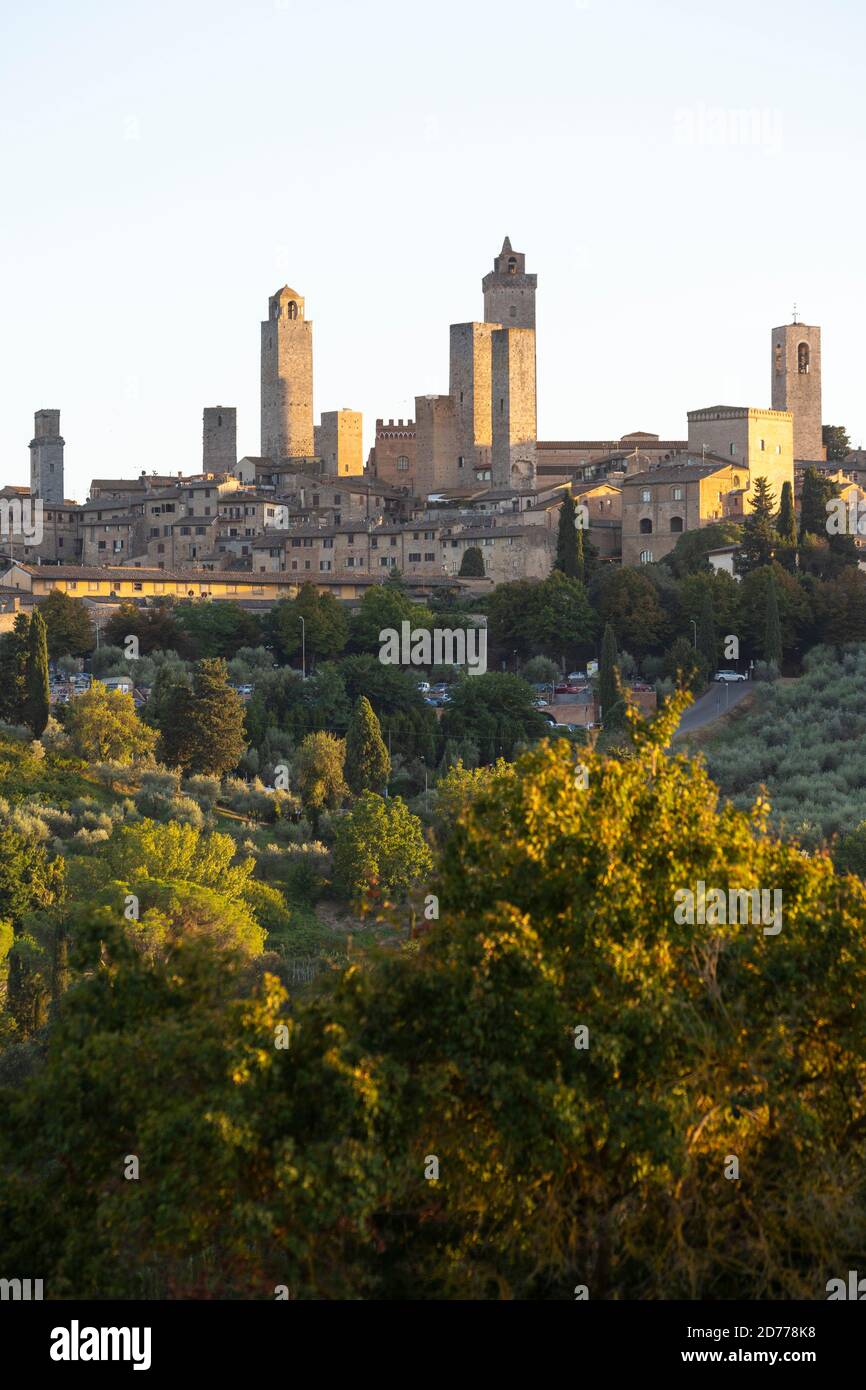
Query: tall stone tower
{"x": 46, "y": 457}
{"x": 796, "y": 375}
{"x": 509, "y": 293}
{"x": 287, "y": 379}
{"x": 515, "y": 429}
{"x": 219, "y": 438}
{"x": 470, "y": 387}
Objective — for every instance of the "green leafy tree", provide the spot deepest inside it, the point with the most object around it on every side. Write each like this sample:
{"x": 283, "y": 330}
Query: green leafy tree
{"x": 689, "y": 555}
{"x": 566, "y": 560}
{"x": 794, "y": 605}
{"x": 70, "y": 631}
{"x": 368, "y": 765}
{"x": 203, "y": 730}
{"x": 472, "y": 564}
{"x": 385, "y": 606}
{"x": 319, "y": 774}
{"x": 628, "y": 600}
{"x": 215, "y": 629}
{"x": 37, "y": 698}
{"x": 495, "y": 711}
{"x": 379, "y": 849}
{"x": 551, "y": 617}
{"x": 324, "y": 632}
{"x": 837, "y": 442}
{"x": 103, "y": 726}
{"x": 154, "y": 627}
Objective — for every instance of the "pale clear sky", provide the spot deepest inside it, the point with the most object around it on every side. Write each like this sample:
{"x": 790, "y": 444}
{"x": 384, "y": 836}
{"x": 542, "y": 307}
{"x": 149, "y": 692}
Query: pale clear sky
{"x": 678, "y": 174}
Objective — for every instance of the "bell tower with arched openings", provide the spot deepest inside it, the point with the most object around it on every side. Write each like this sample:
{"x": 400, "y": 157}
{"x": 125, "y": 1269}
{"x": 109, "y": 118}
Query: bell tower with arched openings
{"x": 796, "y": 377}
{"x": 509, "y": 293}
{"x": 287, "y": 379}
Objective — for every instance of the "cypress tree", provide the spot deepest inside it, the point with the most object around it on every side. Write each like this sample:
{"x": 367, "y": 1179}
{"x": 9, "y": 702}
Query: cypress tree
{"x": 706, "y": 642}
{"x": 608, "y": 680}
{"x": 786, "y": 524}
{"x": 13, "y": 670}
{"x": 37, "y": 699}
{"x": 773, "y": 629}
{"x": 472, "y": 564}
{"x": 580, "y": 558}
{"x": 566, "y": 539}
{"x": 368, "y": 766}
{"x": 817, "y": 492}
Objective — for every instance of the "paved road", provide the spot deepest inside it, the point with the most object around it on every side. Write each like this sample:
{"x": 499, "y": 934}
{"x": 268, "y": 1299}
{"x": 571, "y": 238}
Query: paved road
{"x": 719, "y": 698}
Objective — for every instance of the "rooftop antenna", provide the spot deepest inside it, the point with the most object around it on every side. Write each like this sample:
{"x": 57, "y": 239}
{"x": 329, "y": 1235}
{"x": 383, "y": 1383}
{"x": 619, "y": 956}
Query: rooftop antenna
{"x": 796, "y": 315}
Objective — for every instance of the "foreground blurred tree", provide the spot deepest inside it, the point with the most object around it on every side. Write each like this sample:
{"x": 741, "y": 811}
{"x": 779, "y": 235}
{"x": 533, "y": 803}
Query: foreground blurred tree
{"x": 581, "y": 1058}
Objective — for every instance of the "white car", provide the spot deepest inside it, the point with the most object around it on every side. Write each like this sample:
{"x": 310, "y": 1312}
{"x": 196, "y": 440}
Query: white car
{"x": 728, "y": 676}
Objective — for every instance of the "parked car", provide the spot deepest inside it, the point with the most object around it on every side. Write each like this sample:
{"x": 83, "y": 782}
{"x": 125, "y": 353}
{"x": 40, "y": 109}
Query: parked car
{"x": 729, "y": 676}
{"x": 550, "y": 719}
{"x": 576, "y": 677}
{"x": 424, "y": 687}
{"x": 568, "y": 689}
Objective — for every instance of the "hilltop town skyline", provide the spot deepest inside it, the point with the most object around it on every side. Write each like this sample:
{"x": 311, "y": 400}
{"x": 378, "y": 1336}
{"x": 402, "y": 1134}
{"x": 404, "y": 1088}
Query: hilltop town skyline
{"x": 673, "y": 209}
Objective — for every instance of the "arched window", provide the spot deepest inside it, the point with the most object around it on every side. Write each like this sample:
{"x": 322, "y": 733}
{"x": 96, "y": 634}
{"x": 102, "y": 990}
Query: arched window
{"x": 803, "y": 358}
{"x": 676, "y": 524}
{"x": 512, "y": 265}
{"x": 646, "y": 527}
{"x": 292, "y": 309}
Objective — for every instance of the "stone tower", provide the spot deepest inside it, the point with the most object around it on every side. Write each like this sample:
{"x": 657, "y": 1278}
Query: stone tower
{"x": 339, "y": 443}
{"x": 287, "y": 379}
{"x": 509, "y": 293}
{"x": 46, "y": 457}
{"x": 515, "y": 430}
{"x": 796, "y": 369}
{"x": 471, "y": 380}
{"x": 219, "y": 438}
